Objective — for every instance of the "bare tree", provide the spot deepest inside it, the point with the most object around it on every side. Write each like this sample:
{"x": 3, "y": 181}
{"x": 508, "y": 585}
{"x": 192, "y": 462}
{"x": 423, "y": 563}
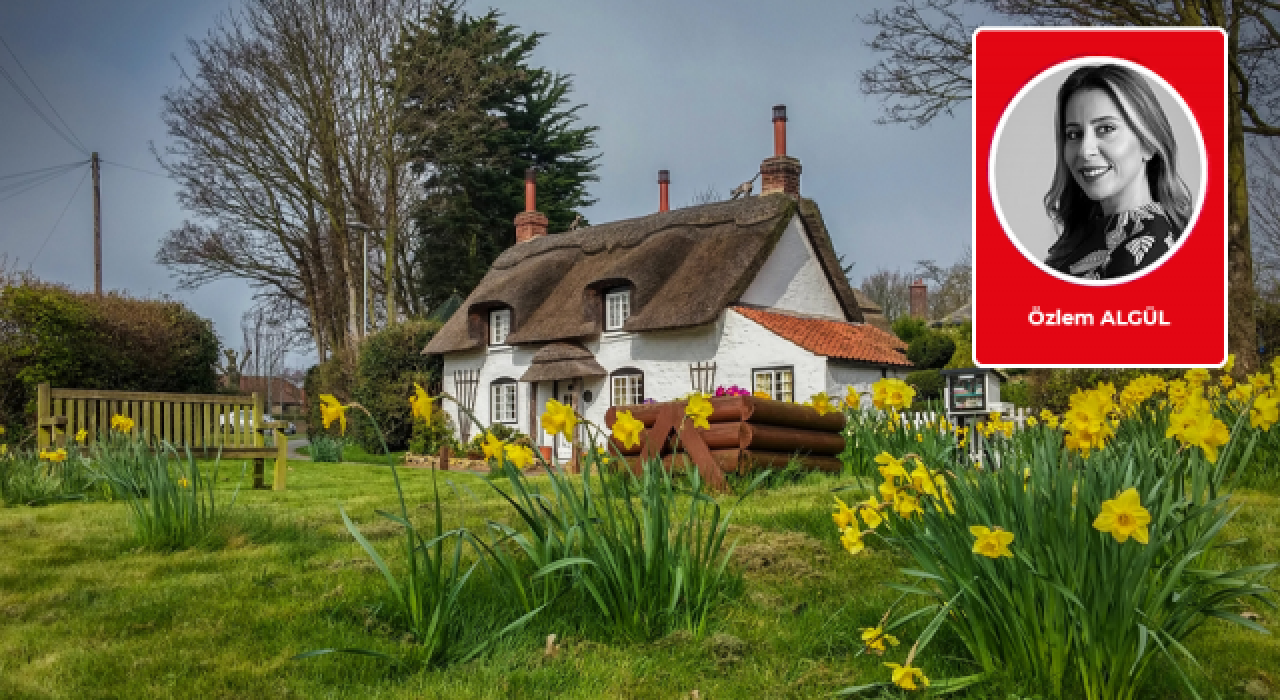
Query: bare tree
{"x": 949, "y": 287}
{"x": 284, "y": 129}
{"x": 924, "y": 72}
{"x": 891, "y": 290}
{"x": 266, "y": 342}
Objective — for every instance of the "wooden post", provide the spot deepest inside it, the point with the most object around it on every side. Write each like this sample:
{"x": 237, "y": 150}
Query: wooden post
{"x": 282, "y": 461}
{"x": 43, "y": 413}
{"x": 444, "y": 458}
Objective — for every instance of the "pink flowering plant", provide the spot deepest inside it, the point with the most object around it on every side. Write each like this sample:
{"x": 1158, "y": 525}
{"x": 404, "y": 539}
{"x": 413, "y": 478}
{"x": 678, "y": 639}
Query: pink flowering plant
{"x": 734, "y": 390}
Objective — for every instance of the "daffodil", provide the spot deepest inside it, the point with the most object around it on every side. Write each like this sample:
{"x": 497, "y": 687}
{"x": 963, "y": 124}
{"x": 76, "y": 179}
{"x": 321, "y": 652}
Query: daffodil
{"x": 183, "y": 483}
{"x": 1264, "y": 412}
{"x": 123, "y": 424}
{"x": 1231, "y": 363}
{"x": 852, "y": 540}
{"x": 1045, "y": 414}
{"x": 822, "y": 403}
{"x": 1031, "y": 421}
{"x": 559, "y": 419}
{"x": 875, "y": 638}
{"x": 843, "y": 515}
{"x": 908, "y": 677}
{"x": 627, "y": 429}
{"x": 762, "y": 395}
{"x": 905, "y": 504}
{"x": 519, "y": 455}
{"x": 892, "y": 393}
{"x": 1198, "y": 375}
{"x": 420, "y": 403}
{"x": 82, "y": 435}
{"x": 890, "y": 467}
{"x": 852, "y": 398}
{"x": 869, "y": 511}
{"x": 922, "y": 480}
{"x": 1124, "y": 516}
{"x": 992, "y": 543}
{"x": 888, "y": 492}
{"x": 332, "y": 410}
{"x": 699, "y": 409}
{"x": 1226, "y": 381}
{"x": 58, "y": 455}
{"x": 492, "y": 446}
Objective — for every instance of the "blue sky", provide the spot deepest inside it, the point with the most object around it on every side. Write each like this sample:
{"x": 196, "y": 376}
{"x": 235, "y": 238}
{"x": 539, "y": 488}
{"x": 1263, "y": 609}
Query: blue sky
{"x": 677, "y": 85}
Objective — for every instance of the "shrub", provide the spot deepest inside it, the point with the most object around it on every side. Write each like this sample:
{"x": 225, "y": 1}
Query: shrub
{"x": 931, "y": 350}
{"x": 908, "y": 328}
{"x": 963, "y": 356}
{"x": 1052, "y": 388}
{"x": 390, "y": 362}
{"x": 49, "y": 333}
{"x": 333, "y": 376}
{"x": 1016, "y": 393}
{"x": 928, "y": 384}
{"x": 428, "y": 438}
{"x": 326, "y": 448}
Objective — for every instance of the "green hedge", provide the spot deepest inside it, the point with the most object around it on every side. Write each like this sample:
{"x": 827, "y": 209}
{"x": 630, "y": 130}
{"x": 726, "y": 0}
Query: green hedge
{"x": 50, "y": 333}
{"x": 390, "y": 361}
{"x": 931, "y": 350}
{"x": 928, "y": 384}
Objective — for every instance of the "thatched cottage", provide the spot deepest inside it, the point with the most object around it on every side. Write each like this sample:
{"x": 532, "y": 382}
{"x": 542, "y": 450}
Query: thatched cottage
{"x": 747, "y": 292}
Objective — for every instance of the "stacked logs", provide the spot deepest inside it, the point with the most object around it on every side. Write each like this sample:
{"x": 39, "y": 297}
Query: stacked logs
{"x": 747, "y": 431}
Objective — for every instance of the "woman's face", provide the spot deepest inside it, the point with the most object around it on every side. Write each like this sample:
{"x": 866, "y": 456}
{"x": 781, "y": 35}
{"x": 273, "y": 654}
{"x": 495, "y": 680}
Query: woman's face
{"x": 1104, "y": 154}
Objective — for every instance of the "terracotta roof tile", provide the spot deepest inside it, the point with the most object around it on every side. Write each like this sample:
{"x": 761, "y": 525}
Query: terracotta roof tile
{"x": 846, "y": 341}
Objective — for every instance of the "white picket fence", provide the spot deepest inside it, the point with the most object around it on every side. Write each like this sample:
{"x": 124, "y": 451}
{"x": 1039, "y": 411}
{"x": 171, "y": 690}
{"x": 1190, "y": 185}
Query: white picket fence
{"x": 919, "y": 419}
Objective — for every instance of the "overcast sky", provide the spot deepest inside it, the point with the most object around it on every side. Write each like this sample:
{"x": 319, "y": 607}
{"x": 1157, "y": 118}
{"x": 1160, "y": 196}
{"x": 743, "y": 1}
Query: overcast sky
{"x": 672, "y": 84}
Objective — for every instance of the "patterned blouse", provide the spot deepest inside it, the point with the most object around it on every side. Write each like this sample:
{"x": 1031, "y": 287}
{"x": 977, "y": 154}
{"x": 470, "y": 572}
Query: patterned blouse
{"x": 1117, "y": 245}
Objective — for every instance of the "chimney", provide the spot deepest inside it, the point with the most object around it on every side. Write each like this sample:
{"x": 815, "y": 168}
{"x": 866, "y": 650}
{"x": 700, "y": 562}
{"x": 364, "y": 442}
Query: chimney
{"x": 664, "y": 180}
{"x": 530, "y": 223}
{"x": 781, "y": 173}
{"x": 919, "y": 299}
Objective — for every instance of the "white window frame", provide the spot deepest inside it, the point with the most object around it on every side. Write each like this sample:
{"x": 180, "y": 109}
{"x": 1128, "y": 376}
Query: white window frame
{"x": 499, "y": 326}
{"x": 780, "y": 382}
{"x": 504, "y": 402}
{"x": 617, "y": 309}
{"x": 626, "y": 388}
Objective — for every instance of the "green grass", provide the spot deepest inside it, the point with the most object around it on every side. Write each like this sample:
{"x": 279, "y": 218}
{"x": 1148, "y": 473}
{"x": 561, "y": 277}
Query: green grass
{"x": 86, "y": 613}
{"x": 353, "y": 453}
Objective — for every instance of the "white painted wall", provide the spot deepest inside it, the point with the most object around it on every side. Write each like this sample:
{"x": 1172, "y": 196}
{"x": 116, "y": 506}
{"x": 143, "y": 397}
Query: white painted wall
{"x": 736, "y": 344}
{"x": 792, "y": 278}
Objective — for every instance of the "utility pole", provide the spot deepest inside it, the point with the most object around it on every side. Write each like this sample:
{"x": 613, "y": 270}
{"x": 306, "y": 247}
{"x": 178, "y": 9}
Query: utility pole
{"x": 97, "y": 227}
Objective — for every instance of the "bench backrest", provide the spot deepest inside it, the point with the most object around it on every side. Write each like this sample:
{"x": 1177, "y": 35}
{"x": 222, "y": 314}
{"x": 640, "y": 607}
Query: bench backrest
{"x": 191, "y": 420}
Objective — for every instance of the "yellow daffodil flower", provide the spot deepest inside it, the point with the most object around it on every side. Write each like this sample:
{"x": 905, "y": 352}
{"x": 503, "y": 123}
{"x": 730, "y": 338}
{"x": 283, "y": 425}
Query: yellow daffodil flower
{"x": 822, "y": 403}
{"x": 122, "y": 424}
{"x": 762, "y": 395}
{"x": 699, "y": 409}
{"x": 992, "y": 543}
{"x": 332, "y": 410}
{"x": 922, "y": 481}
{"x": 1124, "y": 516}
{"x": 492, "y": 446}
{"x": 892, "y": 393}
{"x": 905, "y": 504}
{"x": 1226, "y": 381}
{"x": 82, "y": 435}
{"x": 908, "y": 677}
{"x": 627, "y": 430}
{"x": 1198, "y": 375}
{"x": 1045, "y": 414}
{"x": 852, "y": 398}
{"x": 843, "y": 515}
{"x": 519, "y": 455}
{"x": 869, "y": 511}
{"x": 1264, "y": 412}
{"x": 851, "y": 540}
{"x": 183, "y": 483}
{"x": 890, "y": 467}
{"x": 58, "y": 455}
{"x": 420, "y": 404}
{"x": 888, "y": 492}
{"x": 559, "y": 419}
{"x": 1231, "y": 363}
{"x": 874, "y": 639}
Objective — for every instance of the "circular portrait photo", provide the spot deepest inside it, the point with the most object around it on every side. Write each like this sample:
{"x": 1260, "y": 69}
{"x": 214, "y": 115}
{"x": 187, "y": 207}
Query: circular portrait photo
{"x": 1097, "y": 170}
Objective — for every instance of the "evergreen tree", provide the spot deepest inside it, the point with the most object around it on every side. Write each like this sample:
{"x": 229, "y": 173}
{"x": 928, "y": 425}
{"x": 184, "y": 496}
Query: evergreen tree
{"x": 477, "y": 115}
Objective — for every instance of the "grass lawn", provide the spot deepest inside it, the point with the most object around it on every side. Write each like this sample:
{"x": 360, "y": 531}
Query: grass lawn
{"x": 85, "y": 613}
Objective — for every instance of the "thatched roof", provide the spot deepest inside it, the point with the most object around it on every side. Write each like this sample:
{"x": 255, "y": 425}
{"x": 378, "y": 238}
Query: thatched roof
{"x": 683, "y": 267}
{"x": 562, "y": 361}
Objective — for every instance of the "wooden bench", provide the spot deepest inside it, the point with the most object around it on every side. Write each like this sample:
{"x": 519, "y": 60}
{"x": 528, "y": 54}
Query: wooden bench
{"x": 210, "y": 425}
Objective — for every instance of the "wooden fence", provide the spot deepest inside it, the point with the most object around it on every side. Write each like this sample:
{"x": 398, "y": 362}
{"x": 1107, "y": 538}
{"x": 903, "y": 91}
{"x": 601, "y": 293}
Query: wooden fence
{"x": 211, "y": 425}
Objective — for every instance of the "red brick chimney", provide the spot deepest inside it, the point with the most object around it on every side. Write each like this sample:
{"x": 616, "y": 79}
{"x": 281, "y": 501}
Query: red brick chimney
{"x": 781, "y": 173}
{"x": 919, "y": 299}
{"x": 530, "y": 223}
{"x": 664, "y": 180}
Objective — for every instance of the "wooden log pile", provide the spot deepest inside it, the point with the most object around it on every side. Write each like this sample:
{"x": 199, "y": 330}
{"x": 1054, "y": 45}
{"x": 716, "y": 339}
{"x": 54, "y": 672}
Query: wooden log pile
{"x": 746, "y": 432}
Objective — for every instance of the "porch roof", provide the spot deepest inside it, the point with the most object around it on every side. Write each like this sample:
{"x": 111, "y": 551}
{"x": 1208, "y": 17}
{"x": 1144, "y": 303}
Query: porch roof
{"x": 861, "y": 342}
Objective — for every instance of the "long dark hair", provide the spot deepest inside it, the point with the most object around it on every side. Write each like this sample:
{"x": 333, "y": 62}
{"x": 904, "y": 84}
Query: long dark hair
{"x": 1067, "y": 205}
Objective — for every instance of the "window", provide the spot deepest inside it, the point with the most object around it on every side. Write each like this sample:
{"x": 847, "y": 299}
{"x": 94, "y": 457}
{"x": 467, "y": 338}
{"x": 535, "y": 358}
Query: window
{"x": 774, "y": 381}
{"x": 503, "y": 407}
{"x": 628, "y": 387}
{"x": 499, "y": 326}
{"x": 617, "y": 308}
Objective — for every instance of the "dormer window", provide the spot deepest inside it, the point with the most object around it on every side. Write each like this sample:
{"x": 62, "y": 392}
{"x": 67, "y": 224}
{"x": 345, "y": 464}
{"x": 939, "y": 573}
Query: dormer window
{"x": 499, "y": 326}
{"x": 617, "y": 309}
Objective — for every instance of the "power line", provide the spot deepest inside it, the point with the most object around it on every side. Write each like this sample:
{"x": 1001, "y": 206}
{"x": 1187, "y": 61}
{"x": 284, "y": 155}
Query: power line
{"x": 55, "y": 224}
{"x": 41, "y": 170}
{"x": 35, "y": 108}
{"x": 130, "y": 167}
{"x": 13, "y": 189}
{"x": 42, "y": 95}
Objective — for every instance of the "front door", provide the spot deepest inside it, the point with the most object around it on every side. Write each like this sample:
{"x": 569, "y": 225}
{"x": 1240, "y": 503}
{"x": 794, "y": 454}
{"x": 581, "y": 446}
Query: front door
{"x": 569, "y": 397}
